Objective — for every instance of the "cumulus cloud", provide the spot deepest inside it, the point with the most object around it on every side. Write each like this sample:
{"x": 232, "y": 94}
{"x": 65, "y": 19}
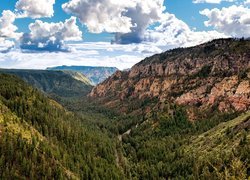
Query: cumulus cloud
{"x": 7, "y": 28}
{"x": 129, "y": 19}
{"x": 233, "y": 20}
{"x": 211, "y": 1}
{"x": 100, "y": 15}
{"x": 7, "y": 31}
{"x": 142, "y": 15}
{"x": 45, "y": 36}
{"x": 173, "y": 32}
{"x": 35, "y": 8}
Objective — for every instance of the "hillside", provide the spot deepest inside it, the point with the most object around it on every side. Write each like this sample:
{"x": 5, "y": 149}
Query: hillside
{"x": 57, "y": 84}
{"x": 95, "y": 74}
{"x": 214, "y": 75}
{"x": 138, "y": 136}
{"x": 173, "y": 148}
{"x": 181, "y": 112}
{"x": 39, "y": 139}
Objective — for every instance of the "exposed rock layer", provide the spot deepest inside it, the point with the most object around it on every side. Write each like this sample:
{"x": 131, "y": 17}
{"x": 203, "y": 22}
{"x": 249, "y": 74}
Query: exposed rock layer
{"x": 214, "y": 74}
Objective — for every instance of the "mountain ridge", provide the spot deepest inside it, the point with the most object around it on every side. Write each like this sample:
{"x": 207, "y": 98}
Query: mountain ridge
{"x": 96, "y": 74}
{"x": 127, "y": 129}
{"x": 62, "y": 84}
{"x": 198, "y": 77}
{"x": 40, "y": 139}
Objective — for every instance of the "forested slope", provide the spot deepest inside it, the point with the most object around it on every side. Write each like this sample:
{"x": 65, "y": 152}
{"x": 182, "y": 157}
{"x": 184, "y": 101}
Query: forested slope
{"x": 40, "y": 139}
{"x": 61, "y": 85}
{"x": 112, "y": 135}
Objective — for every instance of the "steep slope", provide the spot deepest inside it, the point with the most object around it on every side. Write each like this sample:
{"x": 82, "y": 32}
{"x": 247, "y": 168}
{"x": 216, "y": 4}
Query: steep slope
{"x": 174, "y": 148}
{"x": 55, "y": 83}
{"x": 39, "y": 139}
{"x": 95, "y": 74}
{"x": 214, "y": 75}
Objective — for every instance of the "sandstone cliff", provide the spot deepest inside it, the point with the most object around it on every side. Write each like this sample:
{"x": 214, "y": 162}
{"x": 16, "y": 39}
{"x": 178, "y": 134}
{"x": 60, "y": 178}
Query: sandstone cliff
{"x": 212, "y": 75}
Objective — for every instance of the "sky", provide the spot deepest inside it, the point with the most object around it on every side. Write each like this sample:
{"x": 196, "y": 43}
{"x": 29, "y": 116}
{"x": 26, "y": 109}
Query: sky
{"x": 36, "y": 34}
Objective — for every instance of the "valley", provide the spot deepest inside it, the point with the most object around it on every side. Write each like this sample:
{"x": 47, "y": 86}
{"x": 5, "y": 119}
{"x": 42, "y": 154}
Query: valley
{"x": 95, "y": 74}
{"x": 182, "y": 114}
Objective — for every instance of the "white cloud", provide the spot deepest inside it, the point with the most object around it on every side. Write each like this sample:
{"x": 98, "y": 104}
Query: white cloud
{"x": 247, "y": 2}
{"x": 128, "y": 18}
{"x": 85, "y": 53}
{"x": 143, "y": 14}
{"x": 35, "y": 8}
{"x": 97, "y": 15}
{"x": 147, "y": 49}
{"x": 7, "y": 28}
{"x": 6, "y": 45}
{"x": 18, "y": 59}
{"x": 211, "y": 1}
{"x": 100, "y": 15}
{"x": 51, "y": 36}
{"x": 233, "y": 20}
{"x": 143, "y": 49}
{"x": 173, "y": 32}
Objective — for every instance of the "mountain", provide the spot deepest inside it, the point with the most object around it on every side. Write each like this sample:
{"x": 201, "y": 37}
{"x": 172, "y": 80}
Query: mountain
{"x": 214, "y": 75}
{"x": 39, "y": 139}
{"x": 95, "y": 74}
{"x": 57, "y": 84}
{"x": 137, "y": 124}
{"x": 183, "y": 114}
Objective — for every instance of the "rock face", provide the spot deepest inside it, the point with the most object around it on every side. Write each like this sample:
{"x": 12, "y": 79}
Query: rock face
{"x": 214, "y": 74}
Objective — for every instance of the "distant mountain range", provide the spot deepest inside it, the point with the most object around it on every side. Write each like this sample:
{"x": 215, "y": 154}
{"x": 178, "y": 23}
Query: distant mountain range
{"x": 60, "y": 84}
{"x": 95, "y": 74}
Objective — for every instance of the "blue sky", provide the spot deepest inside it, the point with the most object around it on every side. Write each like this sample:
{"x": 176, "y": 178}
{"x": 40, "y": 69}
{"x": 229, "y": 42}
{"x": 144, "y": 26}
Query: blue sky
{"x": 185, "y": 10}
{"x": 45, "y": 33}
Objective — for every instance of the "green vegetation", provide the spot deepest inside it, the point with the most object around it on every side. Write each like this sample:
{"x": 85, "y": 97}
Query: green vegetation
{"x": 41, "y": 140}
{"x": 167, "y": 145}
{"x": 57, "y": 84}
{"x": 70, "y": 137}
{"x": 174, "y": 148}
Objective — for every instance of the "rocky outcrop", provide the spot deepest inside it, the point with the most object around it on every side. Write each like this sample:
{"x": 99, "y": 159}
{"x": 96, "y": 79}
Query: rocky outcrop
{"x": 215, "y": 74}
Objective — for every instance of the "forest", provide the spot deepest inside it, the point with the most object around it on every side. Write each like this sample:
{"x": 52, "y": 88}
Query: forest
{"x": 42, "y": 139}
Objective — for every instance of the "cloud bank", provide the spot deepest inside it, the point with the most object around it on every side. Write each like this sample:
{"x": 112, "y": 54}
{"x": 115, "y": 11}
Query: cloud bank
{"x": 88, "y": 54}
{"x": 211, "y": 1}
